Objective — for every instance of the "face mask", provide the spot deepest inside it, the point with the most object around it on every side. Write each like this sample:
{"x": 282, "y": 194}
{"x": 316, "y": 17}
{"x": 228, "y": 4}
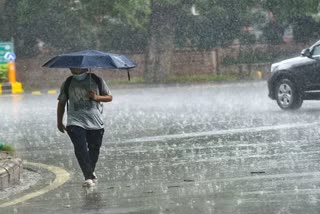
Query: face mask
{"x": 80, "y": 76}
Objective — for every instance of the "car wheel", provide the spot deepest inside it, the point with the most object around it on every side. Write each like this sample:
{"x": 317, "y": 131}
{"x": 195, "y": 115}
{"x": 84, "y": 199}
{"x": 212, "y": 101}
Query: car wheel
{"x": 287, "y": 95}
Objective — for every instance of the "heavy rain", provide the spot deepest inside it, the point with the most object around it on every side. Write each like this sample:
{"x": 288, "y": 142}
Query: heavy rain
{"x": 193, "y": 131}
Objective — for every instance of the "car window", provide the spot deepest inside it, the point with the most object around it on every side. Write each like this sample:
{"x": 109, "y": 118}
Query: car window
{"x": 316, "y": 52}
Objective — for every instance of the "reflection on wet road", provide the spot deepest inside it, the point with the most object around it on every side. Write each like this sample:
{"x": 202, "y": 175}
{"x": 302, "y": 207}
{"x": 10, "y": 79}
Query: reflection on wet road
{"x": 189, "y": 149}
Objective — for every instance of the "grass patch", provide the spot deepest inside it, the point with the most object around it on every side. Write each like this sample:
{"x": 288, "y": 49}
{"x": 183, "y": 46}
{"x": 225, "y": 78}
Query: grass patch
{"x": 197, "y": 78}
{"x": 201, "y": 78}
{"x": 134, "y": 80}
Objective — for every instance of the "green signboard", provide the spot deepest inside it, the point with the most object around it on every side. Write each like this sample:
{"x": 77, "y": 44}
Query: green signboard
{"x": 5, "y": 47}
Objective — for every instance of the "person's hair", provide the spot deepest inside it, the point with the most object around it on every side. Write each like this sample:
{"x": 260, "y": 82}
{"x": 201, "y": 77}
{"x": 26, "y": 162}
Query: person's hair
{"x": 82, "y": 69}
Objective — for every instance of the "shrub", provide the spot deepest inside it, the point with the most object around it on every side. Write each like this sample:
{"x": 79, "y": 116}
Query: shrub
{"x": 6, "y": 148}
{"x": 3, "y": 72}
{"x": 272, "y": 33}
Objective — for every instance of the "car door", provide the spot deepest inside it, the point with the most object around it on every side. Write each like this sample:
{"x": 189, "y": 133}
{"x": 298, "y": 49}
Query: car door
{"x": 313, "y": 73}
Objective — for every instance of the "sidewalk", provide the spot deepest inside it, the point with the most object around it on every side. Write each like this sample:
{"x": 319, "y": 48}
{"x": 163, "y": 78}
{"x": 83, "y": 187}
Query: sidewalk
{"x": 10, "y": 170}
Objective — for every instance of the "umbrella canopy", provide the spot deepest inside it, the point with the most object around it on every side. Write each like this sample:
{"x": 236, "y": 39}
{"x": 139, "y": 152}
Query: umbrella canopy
{"x": 90, "y": 59}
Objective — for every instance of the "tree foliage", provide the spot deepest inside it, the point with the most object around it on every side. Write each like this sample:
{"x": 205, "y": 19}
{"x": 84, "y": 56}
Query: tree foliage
{"x": 288, "y": 10}
{"x": 53, "y": 22}
{"x": 272, "y": 33}
{"x": 74, "y": 25}
{"x": 296, "y": 13}
{"x": 305, "y": 29}
{"x": 124, "y": 25}
{"x": 218, "y": 23}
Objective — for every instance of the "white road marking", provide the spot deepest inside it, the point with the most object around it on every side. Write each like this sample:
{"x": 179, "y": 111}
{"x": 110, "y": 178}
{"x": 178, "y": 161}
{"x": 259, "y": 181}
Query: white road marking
{"x": 222, "y": 132}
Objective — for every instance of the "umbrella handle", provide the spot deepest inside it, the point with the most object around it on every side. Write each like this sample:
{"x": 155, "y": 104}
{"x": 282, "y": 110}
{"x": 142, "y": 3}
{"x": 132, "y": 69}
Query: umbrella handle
{"x": 128, "y": 74}
{"x": 90, "y": 79}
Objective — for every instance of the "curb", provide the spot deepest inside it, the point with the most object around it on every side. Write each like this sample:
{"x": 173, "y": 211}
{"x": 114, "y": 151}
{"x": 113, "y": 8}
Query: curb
{"x": 61, "y": 177}
{"x": 10, "y": 172}
{"x": 11, "y": 88}
{"x": 35, "y": 92}
{"x": 44, "y": 92}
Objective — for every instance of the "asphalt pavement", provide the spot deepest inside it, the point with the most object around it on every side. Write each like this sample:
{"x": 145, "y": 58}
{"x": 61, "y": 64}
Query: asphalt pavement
{"x": 223, "y": 148}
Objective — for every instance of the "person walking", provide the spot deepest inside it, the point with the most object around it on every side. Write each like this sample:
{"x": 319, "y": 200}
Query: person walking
{"x": 84, "y": 93}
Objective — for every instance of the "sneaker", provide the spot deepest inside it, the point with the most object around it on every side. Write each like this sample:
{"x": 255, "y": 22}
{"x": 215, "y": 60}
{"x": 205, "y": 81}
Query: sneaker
{"x": 88, "y": 183}
{"x": 95, "y": 179}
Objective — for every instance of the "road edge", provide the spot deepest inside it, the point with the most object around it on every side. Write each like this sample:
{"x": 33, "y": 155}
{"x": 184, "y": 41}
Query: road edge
{"x": 62, "y": 176}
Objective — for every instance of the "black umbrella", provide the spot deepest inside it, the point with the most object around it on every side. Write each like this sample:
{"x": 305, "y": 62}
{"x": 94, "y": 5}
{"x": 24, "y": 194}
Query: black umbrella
{"x": 91, "y": 59}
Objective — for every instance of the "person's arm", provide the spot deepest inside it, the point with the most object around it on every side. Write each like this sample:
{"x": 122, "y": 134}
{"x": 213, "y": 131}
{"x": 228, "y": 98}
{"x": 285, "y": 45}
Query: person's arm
{"x": 99, "y": 98}
{"x": 60, "y": 113}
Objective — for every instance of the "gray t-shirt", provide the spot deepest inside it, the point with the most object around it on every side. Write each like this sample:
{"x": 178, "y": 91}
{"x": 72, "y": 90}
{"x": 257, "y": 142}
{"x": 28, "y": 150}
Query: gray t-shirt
{"x": 82, "y": 111}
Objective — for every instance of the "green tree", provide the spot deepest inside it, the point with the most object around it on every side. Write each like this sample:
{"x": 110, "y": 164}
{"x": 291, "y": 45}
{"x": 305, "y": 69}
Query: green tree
{"x": 273, "y": 32}
{"x": 116, "y": 24}
{"x": 172, "y": 23}
{"x": 305, "y": 29}
{"x": 218, "y": 23}
{"x": 161, "y": 40}
{"x": 287, "y": 10}
{"x": 54, "y": 22}
{"x": 8, "y": 20}
{"x": 73, "y": 25}
{"x": 296, "y": 13}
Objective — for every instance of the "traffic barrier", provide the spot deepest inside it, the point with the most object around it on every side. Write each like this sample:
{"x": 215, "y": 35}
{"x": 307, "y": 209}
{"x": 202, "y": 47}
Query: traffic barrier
{"x": 11, "y": 88}
{"x": 44, "y": 92}
{"x": 6, "y": 88}
{"x": 16, "y": 88}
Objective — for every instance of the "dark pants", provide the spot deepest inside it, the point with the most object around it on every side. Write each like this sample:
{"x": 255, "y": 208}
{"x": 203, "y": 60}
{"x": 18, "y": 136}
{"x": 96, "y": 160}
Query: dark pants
{"x": 87, "y": 145}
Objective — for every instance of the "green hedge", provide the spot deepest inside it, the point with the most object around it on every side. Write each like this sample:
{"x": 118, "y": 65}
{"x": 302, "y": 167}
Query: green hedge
{"x": 200, "y": 78}
{"x": 3, "y": 72}
{"x": 257, "y": 57}
{"x": 6, "y": 148}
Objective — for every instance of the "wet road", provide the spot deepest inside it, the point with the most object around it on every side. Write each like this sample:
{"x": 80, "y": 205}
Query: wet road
{"x": 188, "y": 149}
